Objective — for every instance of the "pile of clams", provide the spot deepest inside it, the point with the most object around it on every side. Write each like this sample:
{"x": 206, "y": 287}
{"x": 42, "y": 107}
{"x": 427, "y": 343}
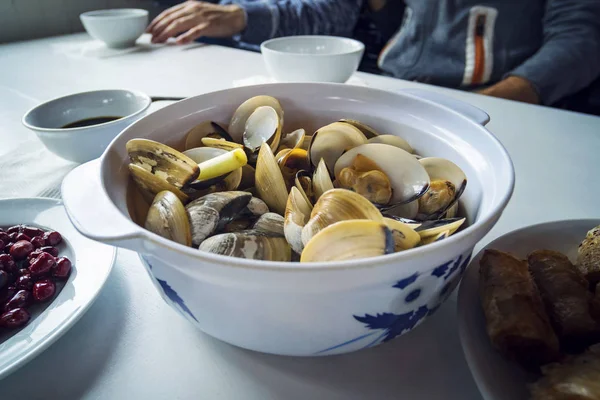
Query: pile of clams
{"x": 248, "y": 190}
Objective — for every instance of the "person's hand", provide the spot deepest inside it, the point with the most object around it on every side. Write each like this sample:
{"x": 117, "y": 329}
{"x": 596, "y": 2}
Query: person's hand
{"x": 513, "y": 88}
{"x": 196, "y": 19}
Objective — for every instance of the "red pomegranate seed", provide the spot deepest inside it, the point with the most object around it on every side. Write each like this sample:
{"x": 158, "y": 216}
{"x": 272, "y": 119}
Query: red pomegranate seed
{"x": 3, "y": 278}
{"x": 50, "y": 250}
{"x": 38, "y": 242}
{"x": 42, "y": 264}
{"x": 24, "y": 282}
{"x": 43, "y": 290}
{"x": 4, "y": 237}
{"x": 32, "y": 231}
{"x": 62, "y": 268}
{"x": 7, "y": 263}
{"x": 22, "y": 236}
{"x": 15, "y": 229}
{"x": 52, "y": 238}
{"x": 20, "y": 299}
{"x": 14, "y": 318}
{"x": 21, "y": 249}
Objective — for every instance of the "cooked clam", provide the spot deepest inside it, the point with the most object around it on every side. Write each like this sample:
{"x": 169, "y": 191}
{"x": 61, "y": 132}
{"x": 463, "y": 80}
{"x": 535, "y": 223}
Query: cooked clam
{"x": 162, "y": 161}
{"x": 271, "y": 223}
{"x": 331, "y": 141}
{"x": 448, "y": 182}
{"x": 167, "y": 218}
{"x": 251, "y": 244}
{"x": 392, "y": 140}
{"x": 406, "y": 210}
{"x": 220, "y": 144}
{"x": 297, "y": 213}
{"x": 292, "y": 140}
{"x": 321, "y": 180}
{"x": 150, "y": 185}
{"x": 452, "y": 211}
{"x": 237, "y": 126}
{"x": 347, "y": 240}
{"x": 257, "y": 207}
{"x": 270, "y": 184}
{"x": 434, "y": 227}
{"x": 338, "y": 205}
{"x": 206, "y": 129}
{"x": 213, "y": 211}
{"x": 303, "y": 183}
{"x": 434, "y": 238}
{"x": 405, "y": 236}
{"x": 364, "y": 128}
{"x": 247, "y": 181}
{"x": 408, "y": 178}
{"x": 291, "y": 162}
{"x": 262, "y": 126}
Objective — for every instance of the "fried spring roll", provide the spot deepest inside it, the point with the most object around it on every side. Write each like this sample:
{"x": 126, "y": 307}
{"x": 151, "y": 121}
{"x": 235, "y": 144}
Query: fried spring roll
{"x": 565, "y": 294}
{"x": 588, "y": 256}
{"x": 516, "y": 321}
{"x": 577, "y": 378}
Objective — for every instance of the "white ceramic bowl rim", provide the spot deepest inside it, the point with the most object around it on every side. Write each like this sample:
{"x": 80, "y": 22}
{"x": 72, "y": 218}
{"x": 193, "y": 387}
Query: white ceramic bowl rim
{"x": 403, "y": 256}
{"x": 354, "y": 45}
{"x": 115, "y": 13}
{"x": 82, "y": 129}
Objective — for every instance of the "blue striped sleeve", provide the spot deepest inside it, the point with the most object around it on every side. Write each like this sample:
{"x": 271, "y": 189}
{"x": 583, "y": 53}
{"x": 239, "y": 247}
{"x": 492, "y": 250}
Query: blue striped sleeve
{"x": 268, "y": 19}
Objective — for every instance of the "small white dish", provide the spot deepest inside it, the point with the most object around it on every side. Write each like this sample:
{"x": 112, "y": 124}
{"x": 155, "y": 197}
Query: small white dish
{"x": 92, "y": 263}
{"x": 312, "y": 58}
{"x": 85, "y": 143}
{"x": 496, "y": 377}
{"x": 117, "y": 28}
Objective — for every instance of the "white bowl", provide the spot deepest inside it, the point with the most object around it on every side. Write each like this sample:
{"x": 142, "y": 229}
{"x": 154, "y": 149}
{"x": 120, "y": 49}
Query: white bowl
{"x": 312, "y": 58}
{"x": 117, "y": 28}
{"x": 293, "y": 308}
{"x": 85, "y": 143}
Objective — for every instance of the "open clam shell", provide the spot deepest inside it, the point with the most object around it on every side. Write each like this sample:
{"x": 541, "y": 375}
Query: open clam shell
{"x": 349, "y": 240}
{"x": 213, "y": 211}
{"x": 405, "y": 237}
{"x": 435, "y": 227}
{"x": 292, "y": 140}
{"x": 392, "y": 140}
{"x": 448, "y": 182}
{"x": 409, "y": 179}
{"x": 271, "y": 223}
{"x": 262, "y": 126}
{"x": 149, "y": 185}
{"x": 163, "y": 161}
{"x": 331, "y": 141}
{"x": 368, "y": 131}
{"x": 297, "y": 214}
{"x": 251, "y": 244}
{"x": 220, "y": 144}
{"x": 206, "y": 129}
{"x": 291, "y": 162}
{"x": 270, "y": 184}
{"x": 303, "y": 183}
{"x": 338, "y": 205}
{"x": 321, "y": 180}
{"x": 237, "y": 126}
{"x": 406, "y": 210}
{"x": 167, "y": 218}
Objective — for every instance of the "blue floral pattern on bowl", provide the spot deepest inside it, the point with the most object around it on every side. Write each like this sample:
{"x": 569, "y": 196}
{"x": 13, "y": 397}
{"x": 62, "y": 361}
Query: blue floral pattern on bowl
{"x": 386, "y": 326}
{"x": 170, "y": 293}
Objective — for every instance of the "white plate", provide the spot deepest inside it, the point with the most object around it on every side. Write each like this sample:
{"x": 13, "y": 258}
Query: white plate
{"x": 497, "y": 378}
{"x": 92, "y": 263}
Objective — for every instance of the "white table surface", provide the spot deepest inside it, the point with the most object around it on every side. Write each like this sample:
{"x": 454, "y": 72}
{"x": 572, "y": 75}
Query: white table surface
{"x": 130, "y": 345}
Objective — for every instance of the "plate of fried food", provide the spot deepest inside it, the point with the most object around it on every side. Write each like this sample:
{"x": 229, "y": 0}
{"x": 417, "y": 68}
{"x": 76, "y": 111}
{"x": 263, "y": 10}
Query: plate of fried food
{"x": 529, "y": 313}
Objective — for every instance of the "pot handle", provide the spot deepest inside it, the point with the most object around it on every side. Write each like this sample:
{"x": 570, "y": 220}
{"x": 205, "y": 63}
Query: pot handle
{"x": 92, "y": 212}
{"x": 473, "y": 113}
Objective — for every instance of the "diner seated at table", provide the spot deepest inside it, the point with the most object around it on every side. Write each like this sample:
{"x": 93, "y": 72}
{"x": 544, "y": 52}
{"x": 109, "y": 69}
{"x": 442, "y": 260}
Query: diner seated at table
{"x": 537, "y": 51}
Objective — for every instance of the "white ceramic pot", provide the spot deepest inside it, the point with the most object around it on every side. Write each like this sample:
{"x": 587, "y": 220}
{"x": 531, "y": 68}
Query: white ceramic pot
{"x": 293, "y": 308}
{"x": 312, "y": 58}
{"x": 85, "y": 143}
{"x": 117, "y": 28}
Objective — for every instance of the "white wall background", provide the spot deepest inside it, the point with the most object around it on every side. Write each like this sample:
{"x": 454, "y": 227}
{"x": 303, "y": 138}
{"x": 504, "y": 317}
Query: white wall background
{"x": 28, "y": 19}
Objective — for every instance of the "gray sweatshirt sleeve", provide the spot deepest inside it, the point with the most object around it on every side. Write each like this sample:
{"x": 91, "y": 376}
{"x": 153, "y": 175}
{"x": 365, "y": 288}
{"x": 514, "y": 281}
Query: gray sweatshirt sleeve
{"x": 268, "y": 19}
{"x": 569, "y": 59}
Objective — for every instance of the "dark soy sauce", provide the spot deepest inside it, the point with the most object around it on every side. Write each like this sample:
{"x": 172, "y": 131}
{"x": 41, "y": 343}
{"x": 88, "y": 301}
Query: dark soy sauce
{"x": 90, "y": 122}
